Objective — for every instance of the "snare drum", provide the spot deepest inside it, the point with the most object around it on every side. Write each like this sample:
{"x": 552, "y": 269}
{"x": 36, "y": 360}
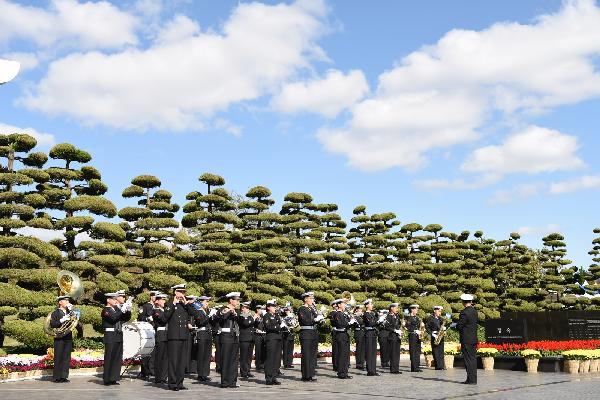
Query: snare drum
{"x": 138, "y": 339}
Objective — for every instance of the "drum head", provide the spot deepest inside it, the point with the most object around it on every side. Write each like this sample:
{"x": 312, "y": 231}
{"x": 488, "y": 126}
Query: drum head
{"x": 138, "y": 339}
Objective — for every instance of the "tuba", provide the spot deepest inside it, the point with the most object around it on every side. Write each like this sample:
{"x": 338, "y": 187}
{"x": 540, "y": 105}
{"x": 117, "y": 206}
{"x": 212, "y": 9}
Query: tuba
{"x": 350, "y": 297}
{"x": 68, "y": 284}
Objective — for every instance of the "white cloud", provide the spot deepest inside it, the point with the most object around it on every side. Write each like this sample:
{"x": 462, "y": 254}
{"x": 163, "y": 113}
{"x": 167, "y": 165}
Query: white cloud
{"x": 228, "y": 126}
{"x": 533, "y": 150}
{"x": 457, "y": 184}
{"x": 327, "y": 96}
{"x": 442, "y": 94}
{"x": 519, "y": 192}
{"x": 45, "y": 140}
{"x": 576, "y": 184}
{"x": 68, "y": 22}
{"x": 179, "y": 28}
{"x": 175, "y": 85}
{"x": 538, "y": 230}
{"x": 27, "y": 60}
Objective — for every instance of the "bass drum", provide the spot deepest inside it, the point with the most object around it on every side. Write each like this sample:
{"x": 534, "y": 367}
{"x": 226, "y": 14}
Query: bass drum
{"x": 138, "y": 339}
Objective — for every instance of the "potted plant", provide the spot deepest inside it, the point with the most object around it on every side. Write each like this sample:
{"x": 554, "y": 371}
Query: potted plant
{"x": 428, "y": 356}
{"x": 572, "y": 358}
{"x": 595, "y": 360}
{"x": 532, "y": 358}
{"x": 487, "y": 357}
{"x": 449, "y": 354}
{"x": 584, "y": 363}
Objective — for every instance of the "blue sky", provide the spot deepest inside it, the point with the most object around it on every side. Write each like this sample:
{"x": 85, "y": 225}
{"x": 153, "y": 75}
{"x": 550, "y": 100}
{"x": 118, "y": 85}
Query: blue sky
{"x": 474, "y": 115}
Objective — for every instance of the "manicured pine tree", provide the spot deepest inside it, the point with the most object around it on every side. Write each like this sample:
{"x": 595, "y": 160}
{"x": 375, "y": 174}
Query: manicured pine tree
{"x": 594, "y": 268}
{"x": 209, "y": 219}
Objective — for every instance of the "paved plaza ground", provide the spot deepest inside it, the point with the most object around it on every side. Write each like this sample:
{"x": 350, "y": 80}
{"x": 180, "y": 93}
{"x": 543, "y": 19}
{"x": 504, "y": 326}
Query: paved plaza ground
{"x": 430, "y": 384}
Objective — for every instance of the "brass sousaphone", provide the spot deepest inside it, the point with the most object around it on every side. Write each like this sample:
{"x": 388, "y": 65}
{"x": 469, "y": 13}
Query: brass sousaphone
{"x": 70, "y": 285}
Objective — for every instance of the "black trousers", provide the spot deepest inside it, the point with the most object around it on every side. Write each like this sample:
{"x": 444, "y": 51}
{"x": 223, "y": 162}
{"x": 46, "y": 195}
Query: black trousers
{"x": 394, "y": 352}
{"x": 438, "y": 355}
{"x": 272, "y": 358}
{"x": 288, "y": 350}
{"x": 203, "y": 354}
{"x": 230, "y": 353}
{"x": 191, "y": 351}
{"x": 308, "y": 360}
{"x": 161, "y": 362}
{"x": 147, "y": 367}
{"x": 178, "y": 359}
{"x": 371, "y": 351}
{"x": 343, "y": 353}
{"x": 359, "y": 342}
{"x": 259, "y": 352}
{"x": 414, "y": 348}
{"x": 469, "y": 353}
{"x": 334, "y": 350}
{"x": 62, "y": 358}
{"x": 246, "y": 349}
{"x": 384, "y": 353}
{"x": 217, "y": 353}
{"x": 113, "y": 359}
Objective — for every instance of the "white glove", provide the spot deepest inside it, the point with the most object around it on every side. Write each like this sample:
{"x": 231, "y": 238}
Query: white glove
{"x": 150, "y": 319}
{"x": 381, "y": 319}
{"x": 319, "y": 318}
{"x": 443, "y": 328}
{"x": 398, "y": 331}
{"x": 283, "y": 325}
{"x": 212, "y": 312}
{"x": 353, "y": 321}
{"x": 434, "y": 334}
{"x": 69, "y": 307}
{"x": 453, "y": 325}
{"x": 418, "y": 332}
{"x": 63, "y": 319}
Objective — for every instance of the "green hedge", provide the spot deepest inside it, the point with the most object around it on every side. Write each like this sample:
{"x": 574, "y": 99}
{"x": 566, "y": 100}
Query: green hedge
{"x": 30, "y": 334}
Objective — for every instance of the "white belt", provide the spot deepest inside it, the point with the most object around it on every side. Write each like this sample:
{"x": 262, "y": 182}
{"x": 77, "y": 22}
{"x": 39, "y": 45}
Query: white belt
{"x": 109, "y": 329}
{"x": 202, "y": 328}
{"x": 339, "y": 329}
{"x": 369, "y": 328}
{"x": 225, "y": 329}
{"x": 307, "y": 327}
{"x": 161, "y": 328}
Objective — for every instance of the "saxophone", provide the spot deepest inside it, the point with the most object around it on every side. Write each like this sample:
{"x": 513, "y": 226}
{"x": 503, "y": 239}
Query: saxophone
{"x": 441, "y": 333}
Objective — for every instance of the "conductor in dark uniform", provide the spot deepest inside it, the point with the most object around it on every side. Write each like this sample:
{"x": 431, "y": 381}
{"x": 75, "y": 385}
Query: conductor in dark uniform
{"x": 413, "y": 326}
{"x": 113, "y": 315}
{"x": 230, "y": 341}
{"x": 203, "y": 319}
{"x": 161, "y": 355}
{"x": 308, "y": 318}
{"x": 273, "y": 324}
{"x": 246, "y": 323}
{"x": 63, "y": 345}
{"x": 145, "y": 315}
{"x": 370, "y": 327}
{"x": 435, "y": 327}
{"x": 393, "y": 325}
{"x": 467, "y": 328}
{"x": 177, "y": 314}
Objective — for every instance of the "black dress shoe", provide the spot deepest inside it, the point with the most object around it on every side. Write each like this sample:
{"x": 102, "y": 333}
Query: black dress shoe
{"x": 373, "y": 374}
{"x": 250, "y": 376}
{"x": 59, "y": 381}
{"x": 65, "y": 380}
{"x": 360, "y": 368}
{"x": 396, "y": 372}
{"x": 182, "y": 388}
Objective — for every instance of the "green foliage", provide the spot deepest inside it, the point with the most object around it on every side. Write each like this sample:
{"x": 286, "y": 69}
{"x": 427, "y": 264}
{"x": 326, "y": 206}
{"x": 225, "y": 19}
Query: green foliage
{"x": 29, "y": 333}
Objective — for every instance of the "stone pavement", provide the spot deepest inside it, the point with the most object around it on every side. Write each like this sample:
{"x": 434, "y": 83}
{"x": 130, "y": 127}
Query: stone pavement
{"x": 430, "y": 384}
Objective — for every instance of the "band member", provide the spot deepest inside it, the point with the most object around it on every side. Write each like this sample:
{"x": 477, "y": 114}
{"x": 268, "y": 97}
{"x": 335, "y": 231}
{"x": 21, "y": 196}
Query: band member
{"x": 230, "y": 341}
{"x": 467, "y": 328}
{"x": 204, "y": 335}
{"x": 113, "y": 315}
{"x": 145, "y": 315}
{"x": 288, "y": 336}
{"x": 273, "y": 326}
{"x": 341, "y": 322}
{"x": 62, "y": 345}
{"x": 191, "y": 349}
{"x": 393, "y": 325}
{"x": 382, "y": 338}
{"x": 370, "y": 326}
{"x": 177, "y": 314}
{"x": 259, "y": 338}
{"x": 359, "y": 337}
{"x": 246, "y": 323}
{"x": 161, "y": 358}
{"x": 413, "y": 326}
{"x": 435, "y": 327}
{"x": 309, "y": 337}
{"x": 334, "y": 342}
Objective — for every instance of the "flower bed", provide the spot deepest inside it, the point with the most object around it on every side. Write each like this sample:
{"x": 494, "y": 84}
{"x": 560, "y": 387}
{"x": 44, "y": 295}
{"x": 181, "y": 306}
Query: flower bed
{"x": 547, "y": 348}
